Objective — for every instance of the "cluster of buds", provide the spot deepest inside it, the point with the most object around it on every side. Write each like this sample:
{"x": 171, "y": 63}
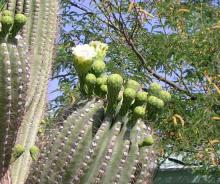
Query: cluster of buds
{"x": 11, "y": 24}
{"x": 128, "y": 100}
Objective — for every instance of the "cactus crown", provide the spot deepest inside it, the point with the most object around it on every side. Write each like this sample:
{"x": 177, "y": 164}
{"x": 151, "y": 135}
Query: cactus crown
{"x": 97, "y": 140}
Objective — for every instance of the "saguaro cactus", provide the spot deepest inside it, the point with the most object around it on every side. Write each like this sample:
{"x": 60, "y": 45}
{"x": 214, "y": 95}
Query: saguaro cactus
{"x": 28, "y": 30}
{"x": 99, "y": 142}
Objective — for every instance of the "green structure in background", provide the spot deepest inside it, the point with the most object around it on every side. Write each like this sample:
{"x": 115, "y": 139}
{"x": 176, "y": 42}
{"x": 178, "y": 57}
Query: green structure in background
{"x": 173, "y": 173}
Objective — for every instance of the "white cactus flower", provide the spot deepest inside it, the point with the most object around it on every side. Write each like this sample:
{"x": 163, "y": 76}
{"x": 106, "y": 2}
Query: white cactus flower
{"x": 83, "y": 58}
{"x": 84, "y": 52}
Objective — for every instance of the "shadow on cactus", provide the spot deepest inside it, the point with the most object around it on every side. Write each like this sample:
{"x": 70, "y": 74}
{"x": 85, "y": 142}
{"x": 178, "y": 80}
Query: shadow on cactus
{"x": 104, "y": 139}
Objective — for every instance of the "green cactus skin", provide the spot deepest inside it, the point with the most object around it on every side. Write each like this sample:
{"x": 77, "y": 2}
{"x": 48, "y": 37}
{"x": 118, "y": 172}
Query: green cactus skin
{"x": 25, "y": 63}
{"x": 82, "y": 151}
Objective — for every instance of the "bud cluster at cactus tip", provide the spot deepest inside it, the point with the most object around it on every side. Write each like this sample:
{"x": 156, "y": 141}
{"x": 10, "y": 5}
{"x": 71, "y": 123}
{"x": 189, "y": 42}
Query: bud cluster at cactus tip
{"x": 7, "y": 13}
{"x": 7, "y": 20}
{"x": 11, "y": 24}
{"x": 129, "y": 93}
{"x": 98, "y": 67}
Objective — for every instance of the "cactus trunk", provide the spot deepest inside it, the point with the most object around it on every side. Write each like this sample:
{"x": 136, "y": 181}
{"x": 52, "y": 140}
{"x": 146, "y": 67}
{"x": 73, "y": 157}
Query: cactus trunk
{"x": 25, "y": 63}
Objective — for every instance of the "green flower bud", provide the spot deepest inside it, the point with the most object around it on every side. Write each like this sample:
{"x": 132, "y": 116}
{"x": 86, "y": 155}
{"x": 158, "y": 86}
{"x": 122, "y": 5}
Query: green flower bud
{"x": 90, "y": 79}
{"x": 156, "y": 102}
{"x": 18, "y": 151}
{"x": 20, "y": 19}
{"x": 7, "y": 21}
{"x": 101, "y": 80}
{"x": 98, "y": 67}
{"x": 165, "y": 96}
{"x": 148, "y": 141}
{"x": 142, "y": 96}
{"x": 128, "y": 97}
{"x": 7, "y": 13}
{"x": 133, "y": 84}
{"x": 129, "y": 93}
{"x": 114, "y": 83}
{"x": 104, "y": 88}
{"x": 34, "y": 151}
{"x": 155, "y": 88}
{"x": 83, "y": 58}
{"x": 100, "y": 48}
{"x": 139, "y": 112}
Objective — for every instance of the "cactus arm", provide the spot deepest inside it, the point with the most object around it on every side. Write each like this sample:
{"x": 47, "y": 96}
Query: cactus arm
{"x": 102, "y": 153}
{"x": 77, "y": 127}
{"x": 66, "y": 145}
{"x": 77, "y": 154}
{"x": 85, "y": 151}
{"x": 93, "y": 150}
{"x": 114, "y": 164}
{"x": 129, "y": 159}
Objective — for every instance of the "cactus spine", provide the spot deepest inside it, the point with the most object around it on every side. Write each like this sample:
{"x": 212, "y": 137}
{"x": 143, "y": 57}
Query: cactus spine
{"x": 26, "y": 46}
{"x": 99, "y": 142}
